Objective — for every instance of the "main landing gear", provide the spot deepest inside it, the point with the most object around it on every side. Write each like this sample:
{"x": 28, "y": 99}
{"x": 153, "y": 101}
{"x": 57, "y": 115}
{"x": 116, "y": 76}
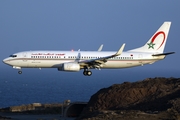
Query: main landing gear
{"x": 87, "y": 72}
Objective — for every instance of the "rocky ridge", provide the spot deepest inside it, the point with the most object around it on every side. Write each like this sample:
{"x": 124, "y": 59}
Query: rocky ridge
{"x": 152, "y": 98}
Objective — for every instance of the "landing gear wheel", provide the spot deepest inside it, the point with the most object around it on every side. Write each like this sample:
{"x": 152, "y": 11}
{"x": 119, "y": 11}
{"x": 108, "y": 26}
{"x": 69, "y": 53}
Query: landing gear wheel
{"x": 20, "y": 72}
{"x": 87, "y": 73}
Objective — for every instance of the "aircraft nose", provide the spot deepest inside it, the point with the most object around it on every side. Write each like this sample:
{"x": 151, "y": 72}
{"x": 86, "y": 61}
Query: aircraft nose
{"x": 5, "y": 61}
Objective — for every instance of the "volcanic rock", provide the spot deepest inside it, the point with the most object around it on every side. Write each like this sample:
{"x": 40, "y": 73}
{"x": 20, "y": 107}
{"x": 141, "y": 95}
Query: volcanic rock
{"x": 150, "y": 96}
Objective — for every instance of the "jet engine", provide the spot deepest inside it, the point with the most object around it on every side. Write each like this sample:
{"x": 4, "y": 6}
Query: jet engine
{"x": 71, "y": 67}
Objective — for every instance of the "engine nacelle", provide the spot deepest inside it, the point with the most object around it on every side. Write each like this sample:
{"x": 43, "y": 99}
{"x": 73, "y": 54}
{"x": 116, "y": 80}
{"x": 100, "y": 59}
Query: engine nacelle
{"x": 71, "y": 67}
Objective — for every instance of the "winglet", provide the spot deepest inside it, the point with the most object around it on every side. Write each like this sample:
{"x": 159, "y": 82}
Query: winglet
{"x": 119, "y": 52}
{"x": 100, "y": 48}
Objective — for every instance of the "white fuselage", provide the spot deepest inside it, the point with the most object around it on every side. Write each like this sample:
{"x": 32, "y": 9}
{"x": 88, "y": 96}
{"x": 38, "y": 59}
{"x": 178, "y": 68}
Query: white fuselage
{"x": 54, "y": 59}
{"x": 73, "y": 61}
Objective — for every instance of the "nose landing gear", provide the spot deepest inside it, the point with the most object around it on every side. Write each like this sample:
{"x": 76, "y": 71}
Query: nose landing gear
{"x": 20, "y": 72}
{"x": 18, "y": 68}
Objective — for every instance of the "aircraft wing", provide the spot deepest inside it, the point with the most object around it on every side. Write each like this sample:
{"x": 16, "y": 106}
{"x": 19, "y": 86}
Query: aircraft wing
{"x": 102, "y": 60}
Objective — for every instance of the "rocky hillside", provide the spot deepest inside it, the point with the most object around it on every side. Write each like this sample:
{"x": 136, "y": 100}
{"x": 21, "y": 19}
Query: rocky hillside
{"x": 160, "y": 96}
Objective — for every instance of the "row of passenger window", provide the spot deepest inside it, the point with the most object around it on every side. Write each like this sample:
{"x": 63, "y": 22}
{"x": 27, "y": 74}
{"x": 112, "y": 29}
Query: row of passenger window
{"x": 74, "y": 57}
{"x": 46, "y": 57}
{"x": 85, "y": 57}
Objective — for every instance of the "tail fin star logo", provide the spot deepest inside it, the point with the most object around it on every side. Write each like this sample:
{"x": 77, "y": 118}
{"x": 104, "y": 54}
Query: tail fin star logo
{"x": 151, "y": 44}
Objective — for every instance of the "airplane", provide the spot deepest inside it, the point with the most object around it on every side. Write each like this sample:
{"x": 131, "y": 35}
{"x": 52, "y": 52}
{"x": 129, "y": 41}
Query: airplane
{"x": 74, "y": 61}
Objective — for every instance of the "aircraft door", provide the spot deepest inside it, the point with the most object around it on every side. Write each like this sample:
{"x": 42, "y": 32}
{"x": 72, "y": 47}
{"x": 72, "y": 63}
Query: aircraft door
{"x": 25, "y": 60}
{"x": 24, "y": 56}
{"x": 140, "y": 57}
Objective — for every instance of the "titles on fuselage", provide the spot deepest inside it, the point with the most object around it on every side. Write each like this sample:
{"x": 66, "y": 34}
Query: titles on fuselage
{"x": 47, "y": 54}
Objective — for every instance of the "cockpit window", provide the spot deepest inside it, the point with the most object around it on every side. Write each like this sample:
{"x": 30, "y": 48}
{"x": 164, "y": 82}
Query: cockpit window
{"x": 13, "y": 56}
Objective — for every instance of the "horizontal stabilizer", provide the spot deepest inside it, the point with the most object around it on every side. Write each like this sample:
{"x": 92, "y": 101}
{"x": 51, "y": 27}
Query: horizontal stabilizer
{"x": 163, "y": 54}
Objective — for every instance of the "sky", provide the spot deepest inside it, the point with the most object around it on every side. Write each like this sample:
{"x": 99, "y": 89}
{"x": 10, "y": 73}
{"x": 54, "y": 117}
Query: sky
{"x": 86, "y": 24}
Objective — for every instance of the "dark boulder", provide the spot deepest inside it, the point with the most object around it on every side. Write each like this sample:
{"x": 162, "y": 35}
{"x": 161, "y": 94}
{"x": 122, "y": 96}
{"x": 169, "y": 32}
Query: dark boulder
{"x": 152, "y": 94}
